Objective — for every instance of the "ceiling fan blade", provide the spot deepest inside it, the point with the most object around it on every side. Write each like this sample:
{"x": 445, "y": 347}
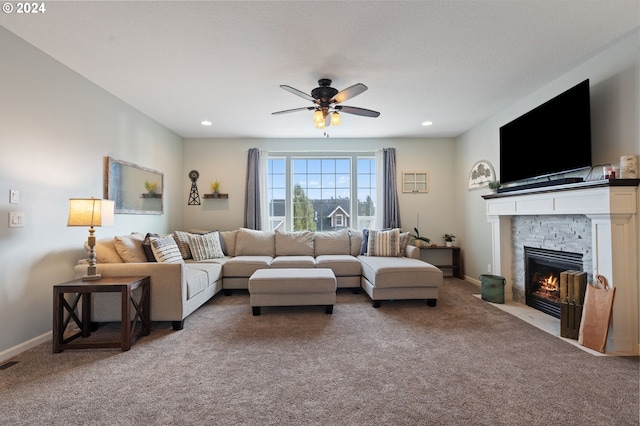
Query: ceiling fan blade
{"x": 298, "y": 93}
{"x": 287, "y": 111}
{"x": 348, "y": 93}
{"x": 357, "y": 111}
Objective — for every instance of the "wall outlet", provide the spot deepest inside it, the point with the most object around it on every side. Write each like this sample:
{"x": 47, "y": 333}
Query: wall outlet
{"x": 488, "y": 267}
{"x": 16, "y": 220}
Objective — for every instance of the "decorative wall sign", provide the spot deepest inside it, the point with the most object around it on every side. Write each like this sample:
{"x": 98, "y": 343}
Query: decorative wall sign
{"x": 481, "y": 174}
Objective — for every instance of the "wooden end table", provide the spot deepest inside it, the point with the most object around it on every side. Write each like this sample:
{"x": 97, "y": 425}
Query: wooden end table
{"x": 65, "y": 311}
{"x": 456, "y": 259}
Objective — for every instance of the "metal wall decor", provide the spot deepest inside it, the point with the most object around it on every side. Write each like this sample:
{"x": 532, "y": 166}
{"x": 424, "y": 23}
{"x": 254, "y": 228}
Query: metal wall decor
{"x": 194, "y": 197}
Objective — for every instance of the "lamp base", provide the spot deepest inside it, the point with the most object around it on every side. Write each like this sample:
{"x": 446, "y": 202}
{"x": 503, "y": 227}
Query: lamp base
{"x": 91, "y": 277}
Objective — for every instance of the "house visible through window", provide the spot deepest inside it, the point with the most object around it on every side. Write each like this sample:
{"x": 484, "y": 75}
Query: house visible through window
{"x": 321, "y": 192}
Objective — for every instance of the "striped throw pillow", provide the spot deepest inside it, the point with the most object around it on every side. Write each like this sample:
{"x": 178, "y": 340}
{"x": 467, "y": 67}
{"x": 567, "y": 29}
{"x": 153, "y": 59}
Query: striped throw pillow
{"x": 165, "y": 250}
{"x": 384, "y": 243}
{"x": 206, "y": 246}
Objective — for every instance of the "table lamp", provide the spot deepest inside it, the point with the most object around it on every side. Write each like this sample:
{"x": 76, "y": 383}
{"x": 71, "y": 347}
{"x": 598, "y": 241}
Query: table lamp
{"x": 91, "y": 212}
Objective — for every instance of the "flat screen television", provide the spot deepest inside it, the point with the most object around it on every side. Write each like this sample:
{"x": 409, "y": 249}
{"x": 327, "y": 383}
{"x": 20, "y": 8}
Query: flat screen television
{"x": 554, "y": 138}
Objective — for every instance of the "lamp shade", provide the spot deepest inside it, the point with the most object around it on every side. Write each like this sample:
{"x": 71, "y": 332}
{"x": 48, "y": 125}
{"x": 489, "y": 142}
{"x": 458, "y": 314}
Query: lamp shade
{"x": 90, "y": 212}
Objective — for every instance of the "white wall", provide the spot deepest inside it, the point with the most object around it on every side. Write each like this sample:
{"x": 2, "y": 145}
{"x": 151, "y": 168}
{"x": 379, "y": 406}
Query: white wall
{"x": 225, "y": 160}
{"x": 615, "y": 115}
{"x": 55, "y": 130}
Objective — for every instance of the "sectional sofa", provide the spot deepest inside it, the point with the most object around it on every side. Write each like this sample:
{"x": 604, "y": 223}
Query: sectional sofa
{"x": 187, "y": 268}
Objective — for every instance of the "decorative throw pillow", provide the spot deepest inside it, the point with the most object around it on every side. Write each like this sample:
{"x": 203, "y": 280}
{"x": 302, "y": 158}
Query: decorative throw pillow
{"x": 365, "y": 242}
{"x": 129, "y": 247}
{"x": 384, "y": 243}
{"x": 404, "y": 242}
{"x": 206, "y": 246}
{"x": 182, "y": 240}
{"x": 105, "y": 249}
{"x": 146, "y": 245}
{"x": 165, "y": 250}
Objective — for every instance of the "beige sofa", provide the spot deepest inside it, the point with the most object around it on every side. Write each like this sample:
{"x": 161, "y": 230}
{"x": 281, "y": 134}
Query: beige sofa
{"x": 178, "y": 289}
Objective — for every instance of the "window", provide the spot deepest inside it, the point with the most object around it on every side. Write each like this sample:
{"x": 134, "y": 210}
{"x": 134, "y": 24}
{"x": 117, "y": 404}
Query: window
{"x": 321, "y": 192}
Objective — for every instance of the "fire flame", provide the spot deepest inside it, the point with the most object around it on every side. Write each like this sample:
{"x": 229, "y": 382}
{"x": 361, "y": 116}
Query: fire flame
{"x": 549, "y": 283}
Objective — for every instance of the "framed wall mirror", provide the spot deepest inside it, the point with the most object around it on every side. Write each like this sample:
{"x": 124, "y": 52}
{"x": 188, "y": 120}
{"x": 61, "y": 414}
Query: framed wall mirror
{"x": 135, "y": 189}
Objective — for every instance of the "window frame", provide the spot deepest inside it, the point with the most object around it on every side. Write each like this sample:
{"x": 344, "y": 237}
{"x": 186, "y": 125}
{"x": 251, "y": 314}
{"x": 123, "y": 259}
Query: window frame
{"x": 290, "y": 156}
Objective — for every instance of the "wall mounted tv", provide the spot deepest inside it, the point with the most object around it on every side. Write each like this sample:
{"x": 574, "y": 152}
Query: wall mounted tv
{"x": 551, "y": 139}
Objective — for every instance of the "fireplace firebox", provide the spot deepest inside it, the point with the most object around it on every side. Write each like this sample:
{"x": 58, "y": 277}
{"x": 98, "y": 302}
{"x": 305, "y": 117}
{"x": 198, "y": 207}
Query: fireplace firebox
{"x": 542, "y": 277}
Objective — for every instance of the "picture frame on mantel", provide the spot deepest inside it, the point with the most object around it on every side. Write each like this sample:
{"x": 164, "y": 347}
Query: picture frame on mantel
{"x": 481, "y": 174}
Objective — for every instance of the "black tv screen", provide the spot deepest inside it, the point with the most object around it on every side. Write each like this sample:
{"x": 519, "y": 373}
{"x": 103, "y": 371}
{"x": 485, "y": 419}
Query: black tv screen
{"x": 551, "y": 139}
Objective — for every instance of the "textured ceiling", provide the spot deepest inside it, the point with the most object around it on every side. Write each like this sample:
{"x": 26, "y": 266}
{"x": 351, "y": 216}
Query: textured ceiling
{"x": 455, "y": 63}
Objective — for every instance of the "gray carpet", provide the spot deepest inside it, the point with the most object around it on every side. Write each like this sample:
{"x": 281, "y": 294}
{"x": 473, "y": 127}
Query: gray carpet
{"x": 463, "y": 362}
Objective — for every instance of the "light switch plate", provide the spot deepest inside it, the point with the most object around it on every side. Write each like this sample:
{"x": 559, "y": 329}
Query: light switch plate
{"x": 14, "y": 196}
{"x": 16, "y": 220}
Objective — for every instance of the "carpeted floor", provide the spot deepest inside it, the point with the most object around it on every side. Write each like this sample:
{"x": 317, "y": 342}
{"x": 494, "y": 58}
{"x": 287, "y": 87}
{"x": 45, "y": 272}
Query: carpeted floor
{"x": 463, "y": 362}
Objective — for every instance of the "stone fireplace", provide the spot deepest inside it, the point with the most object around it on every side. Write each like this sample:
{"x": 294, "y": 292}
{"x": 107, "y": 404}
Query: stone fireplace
{"x": 597, "y": 220}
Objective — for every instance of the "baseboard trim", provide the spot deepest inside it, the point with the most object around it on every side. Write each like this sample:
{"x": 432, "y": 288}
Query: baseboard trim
{"x": 25, "y": 346}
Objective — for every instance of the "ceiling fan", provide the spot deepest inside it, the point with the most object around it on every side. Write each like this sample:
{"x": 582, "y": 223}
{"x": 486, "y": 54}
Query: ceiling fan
{"x": 327, "y": 99}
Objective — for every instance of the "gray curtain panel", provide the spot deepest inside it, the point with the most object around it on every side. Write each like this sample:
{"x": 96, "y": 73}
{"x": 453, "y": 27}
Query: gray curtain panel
{"x": 252, "y": 213}
{"x": 391, "y": 214}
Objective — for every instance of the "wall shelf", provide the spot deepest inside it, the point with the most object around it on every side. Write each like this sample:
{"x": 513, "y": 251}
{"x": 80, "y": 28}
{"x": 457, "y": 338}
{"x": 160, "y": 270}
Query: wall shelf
{"x": 216, "y": 195}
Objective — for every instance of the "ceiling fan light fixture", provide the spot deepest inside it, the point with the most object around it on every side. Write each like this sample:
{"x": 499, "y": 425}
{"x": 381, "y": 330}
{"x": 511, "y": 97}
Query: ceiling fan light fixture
{"x": 335, "y": 119}
{"x": 318, "y": 117}
{"x": 320, "y": 124}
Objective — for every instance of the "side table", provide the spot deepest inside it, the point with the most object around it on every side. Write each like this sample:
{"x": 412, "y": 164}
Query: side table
{"x": 65, "y": 311}
{"x": 456, "y": 259}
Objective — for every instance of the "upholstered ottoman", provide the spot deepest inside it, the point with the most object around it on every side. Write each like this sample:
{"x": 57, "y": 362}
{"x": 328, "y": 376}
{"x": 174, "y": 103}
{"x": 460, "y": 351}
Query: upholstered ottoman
{"x": 292, "y": 287}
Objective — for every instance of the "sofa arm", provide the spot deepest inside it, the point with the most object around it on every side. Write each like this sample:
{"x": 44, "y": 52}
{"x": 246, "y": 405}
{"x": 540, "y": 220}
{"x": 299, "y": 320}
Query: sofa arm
{"x": 412, "y": 252}
{"x": 168, "y": 289}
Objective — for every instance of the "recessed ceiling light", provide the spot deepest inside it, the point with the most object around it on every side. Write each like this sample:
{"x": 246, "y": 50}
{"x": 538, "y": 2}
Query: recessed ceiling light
{"x": 427, "y": 123}
{"x": 206, "y": 123}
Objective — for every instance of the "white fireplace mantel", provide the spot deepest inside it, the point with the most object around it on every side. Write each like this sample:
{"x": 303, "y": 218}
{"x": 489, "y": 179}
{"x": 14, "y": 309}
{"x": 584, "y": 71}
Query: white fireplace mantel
{"x": 612, "y": 208}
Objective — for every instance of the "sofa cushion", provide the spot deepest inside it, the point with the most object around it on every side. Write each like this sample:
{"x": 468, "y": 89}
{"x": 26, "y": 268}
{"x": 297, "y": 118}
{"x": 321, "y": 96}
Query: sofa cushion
{"x": 205, "y": 246}
{"x": 342, "y": 265}
{"x": 250, "y": 242}
{"x": 384, "y": 243}
{"x": 299, "y": 243}
{"x": 182, "y": 240}
{"x": 332, "y": 242}
{"x": 355, "y": 239}
{"x": 129, "y": 247}
{"x": 293, "y": 262}
{"x": 213, "y": 270}
{"x": 229, "y": 240}
{"x": 197, "y": 281}
{"x": 245, "y": 266}
{"x": 166, "y": 250}
{"x": 106, "y": 252}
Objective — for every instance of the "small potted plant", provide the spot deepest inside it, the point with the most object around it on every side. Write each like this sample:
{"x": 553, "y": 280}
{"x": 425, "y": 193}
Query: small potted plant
{"x": 448, "y": 239}
{"x": 494, "y": 185}
{"x": 151, "y": 187}
{"x": 215, "y": 187}
{"x": 419, "y": 241}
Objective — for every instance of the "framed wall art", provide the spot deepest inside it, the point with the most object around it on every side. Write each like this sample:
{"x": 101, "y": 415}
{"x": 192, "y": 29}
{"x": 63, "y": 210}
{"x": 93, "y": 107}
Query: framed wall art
{"x": 481, "y": 174}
